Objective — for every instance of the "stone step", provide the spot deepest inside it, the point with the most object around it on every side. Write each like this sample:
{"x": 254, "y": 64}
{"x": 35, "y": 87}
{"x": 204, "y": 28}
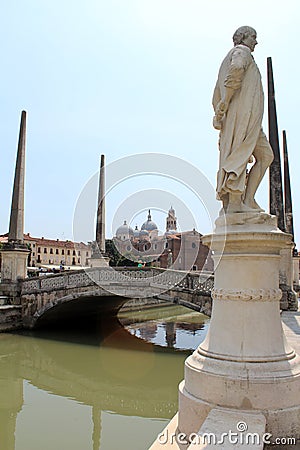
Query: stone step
{"x": 223, "y": 429}
{"x": 231, "y": 430}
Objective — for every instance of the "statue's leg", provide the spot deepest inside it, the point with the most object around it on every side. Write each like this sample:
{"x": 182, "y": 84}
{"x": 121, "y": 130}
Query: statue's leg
{"x": 225, "y": 200}
{"x": 234, "y": 203}
{"x": 263, "y": 155}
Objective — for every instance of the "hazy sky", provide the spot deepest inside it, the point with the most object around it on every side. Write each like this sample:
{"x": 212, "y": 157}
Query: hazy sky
{"x": 127, "y": 77}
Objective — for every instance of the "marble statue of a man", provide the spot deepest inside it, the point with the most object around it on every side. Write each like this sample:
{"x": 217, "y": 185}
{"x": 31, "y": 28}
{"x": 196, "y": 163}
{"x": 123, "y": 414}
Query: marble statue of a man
{"x": 238, "y": 102}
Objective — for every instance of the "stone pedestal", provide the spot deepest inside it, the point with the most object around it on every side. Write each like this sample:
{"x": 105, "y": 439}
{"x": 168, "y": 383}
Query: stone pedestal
{"x": 99, "y": 257}
{"x": 245, "y": 362}
{"x": 14, "y": 262}
{"x": 99, "y": 261}
{"x": 289, "y": 299}
{"x": 296, "y": 286}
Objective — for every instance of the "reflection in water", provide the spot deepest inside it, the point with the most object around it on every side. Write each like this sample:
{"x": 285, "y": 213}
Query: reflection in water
{"x": 172, "y": 327}
{"x": 64, "y": 395}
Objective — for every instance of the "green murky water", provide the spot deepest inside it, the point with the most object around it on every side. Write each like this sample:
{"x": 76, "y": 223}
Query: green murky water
{"x": 84, "y": 391}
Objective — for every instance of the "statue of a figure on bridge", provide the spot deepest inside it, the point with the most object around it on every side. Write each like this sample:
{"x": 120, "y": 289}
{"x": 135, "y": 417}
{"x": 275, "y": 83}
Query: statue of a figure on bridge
{"x": 238, "y": 102}
{"x": 169, "y": 259}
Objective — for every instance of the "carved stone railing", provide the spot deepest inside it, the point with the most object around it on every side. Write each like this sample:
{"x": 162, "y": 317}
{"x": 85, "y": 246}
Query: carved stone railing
{"x": 121, "y": 276}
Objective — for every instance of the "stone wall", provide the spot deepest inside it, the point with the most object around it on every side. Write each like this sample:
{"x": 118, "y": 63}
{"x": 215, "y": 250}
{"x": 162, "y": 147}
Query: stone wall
{"x": 10, "y": 317}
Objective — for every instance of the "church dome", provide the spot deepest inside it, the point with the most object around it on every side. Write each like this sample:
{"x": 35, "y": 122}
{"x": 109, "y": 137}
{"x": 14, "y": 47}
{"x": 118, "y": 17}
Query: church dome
{"x": 136, "y": 232}
{"x": 170, "y": 232}
{"x": 124, "y": 230}
{"x": 149, "y": 225}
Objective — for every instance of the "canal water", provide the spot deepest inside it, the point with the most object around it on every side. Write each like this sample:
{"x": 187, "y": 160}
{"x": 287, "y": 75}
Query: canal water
{"x": 80, "y": 390}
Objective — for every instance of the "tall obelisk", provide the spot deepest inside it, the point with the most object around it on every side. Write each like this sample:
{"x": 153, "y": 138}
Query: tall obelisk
{"x": 276, "y": 189}
{"x": 288, "y": 209}
{"x": 99, "y": 258}
{"x": 276, "y": 194}
{"x": 100, "y": 228}
{"x": 15, "y": 253}
{"x": 293, "y": 258}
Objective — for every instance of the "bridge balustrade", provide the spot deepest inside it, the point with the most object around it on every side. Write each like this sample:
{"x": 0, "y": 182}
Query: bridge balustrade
{"x": 191, "y": 281}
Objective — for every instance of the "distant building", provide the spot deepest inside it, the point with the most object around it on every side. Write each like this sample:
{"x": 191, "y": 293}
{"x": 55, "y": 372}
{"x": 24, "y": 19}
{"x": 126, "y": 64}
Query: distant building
{"x": 54, "y": 252}
{"x": 174, "y": 249}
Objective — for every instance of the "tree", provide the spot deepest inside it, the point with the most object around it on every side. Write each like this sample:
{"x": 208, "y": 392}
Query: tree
{"x": 116, "y": 259}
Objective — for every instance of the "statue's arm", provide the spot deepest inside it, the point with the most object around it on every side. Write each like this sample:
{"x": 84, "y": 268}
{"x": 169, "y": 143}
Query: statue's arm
{"x": 233, "y": 82}
{"x": 236, "y": 71}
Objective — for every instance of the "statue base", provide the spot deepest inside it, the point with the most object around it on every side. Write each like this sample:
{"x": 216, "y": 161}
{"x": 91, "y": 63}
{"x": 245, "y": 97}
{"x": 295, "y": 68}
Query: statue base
{"x": 245, "y": 363}
{"x": 14, "y": 258}
{"x": 98, "y": 260}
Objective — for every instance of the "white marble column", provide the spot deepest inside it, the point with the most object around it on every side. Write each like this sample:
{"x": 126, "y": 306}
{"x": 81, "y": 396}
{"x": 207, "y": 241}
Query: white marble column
{"x": 245, "y": 363}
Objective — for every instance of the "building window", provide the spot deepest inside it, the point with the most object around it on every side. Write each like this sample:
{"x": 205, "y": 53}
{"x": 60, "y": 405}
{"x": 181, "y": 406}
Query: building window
{"x": 78, "y": 260}
{"x": 39, "y": 249}
{"x": 62, "y": 252}
{"x": 155, "y": 246}
{"x": 78, "y": 252}
{"x": 45, "y": 250}
{"x": 51, "y": 251}
{"x": 167, "y": 245}
{"x": 193, "y": 245}
{"x": 33, "y": 254}
{"x": 74, "y": 253}
{"x": 68, "y": 252}
{"x": 194, "y": 267}
{"x": 57, "y": 252}
{"x": 87, "y": 253}
{"x": 33, "y": 245}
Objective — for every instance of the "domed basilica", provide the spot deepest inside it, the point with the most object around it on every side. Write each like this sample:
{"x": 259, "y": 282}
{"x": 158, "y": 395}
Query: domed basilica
{"x": 173, "y": 249}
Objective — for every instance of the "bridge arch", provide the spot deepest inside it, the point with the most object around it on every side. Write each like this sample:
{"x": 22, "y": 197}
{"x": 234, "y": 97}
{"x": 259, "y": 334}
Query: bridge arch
{"x": 82, "y": 309}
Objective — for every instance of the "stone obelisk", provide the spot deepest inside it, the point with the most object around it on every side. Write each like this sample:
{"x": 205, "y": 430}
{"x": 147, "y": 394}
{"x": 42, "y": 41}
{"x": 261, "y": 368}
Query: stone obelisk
{"x": 276, "y": 190}
{"x": 15, "y": 253}
{"x": 100, "y": 228}
{"x": 288, "y": 209}
{"x": 289, "y": 219}
{"x": 276, "y": 194}
{"x": 99, "y": 258}
{"x": 292, "y": 257}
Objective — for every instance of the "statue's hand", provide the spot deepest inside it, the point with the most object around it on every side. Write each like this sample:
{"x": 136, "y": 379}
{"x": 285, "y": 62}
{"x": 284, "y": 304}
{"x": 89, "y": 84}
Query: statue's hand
{"x": 217, "y": 124}
{"x": 221, "y": 109}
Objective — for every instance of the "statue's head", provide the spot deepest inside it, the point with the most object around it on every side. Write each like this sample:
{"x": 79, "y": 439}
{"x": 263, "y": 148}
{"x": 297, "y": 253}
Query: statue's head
{"x": 245, "y": 35}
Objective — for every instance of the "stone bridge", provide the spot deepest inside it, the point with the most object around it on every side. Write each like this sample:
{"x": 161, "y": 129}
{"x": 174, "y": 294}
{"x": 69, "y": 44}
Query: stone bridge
{"x": 100, "y": 292}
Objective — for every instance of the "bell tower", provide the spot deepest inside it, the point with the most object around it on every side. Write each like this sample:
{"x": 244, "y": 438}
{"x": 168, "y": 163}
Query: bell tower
{"x": 171, "y": 221}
